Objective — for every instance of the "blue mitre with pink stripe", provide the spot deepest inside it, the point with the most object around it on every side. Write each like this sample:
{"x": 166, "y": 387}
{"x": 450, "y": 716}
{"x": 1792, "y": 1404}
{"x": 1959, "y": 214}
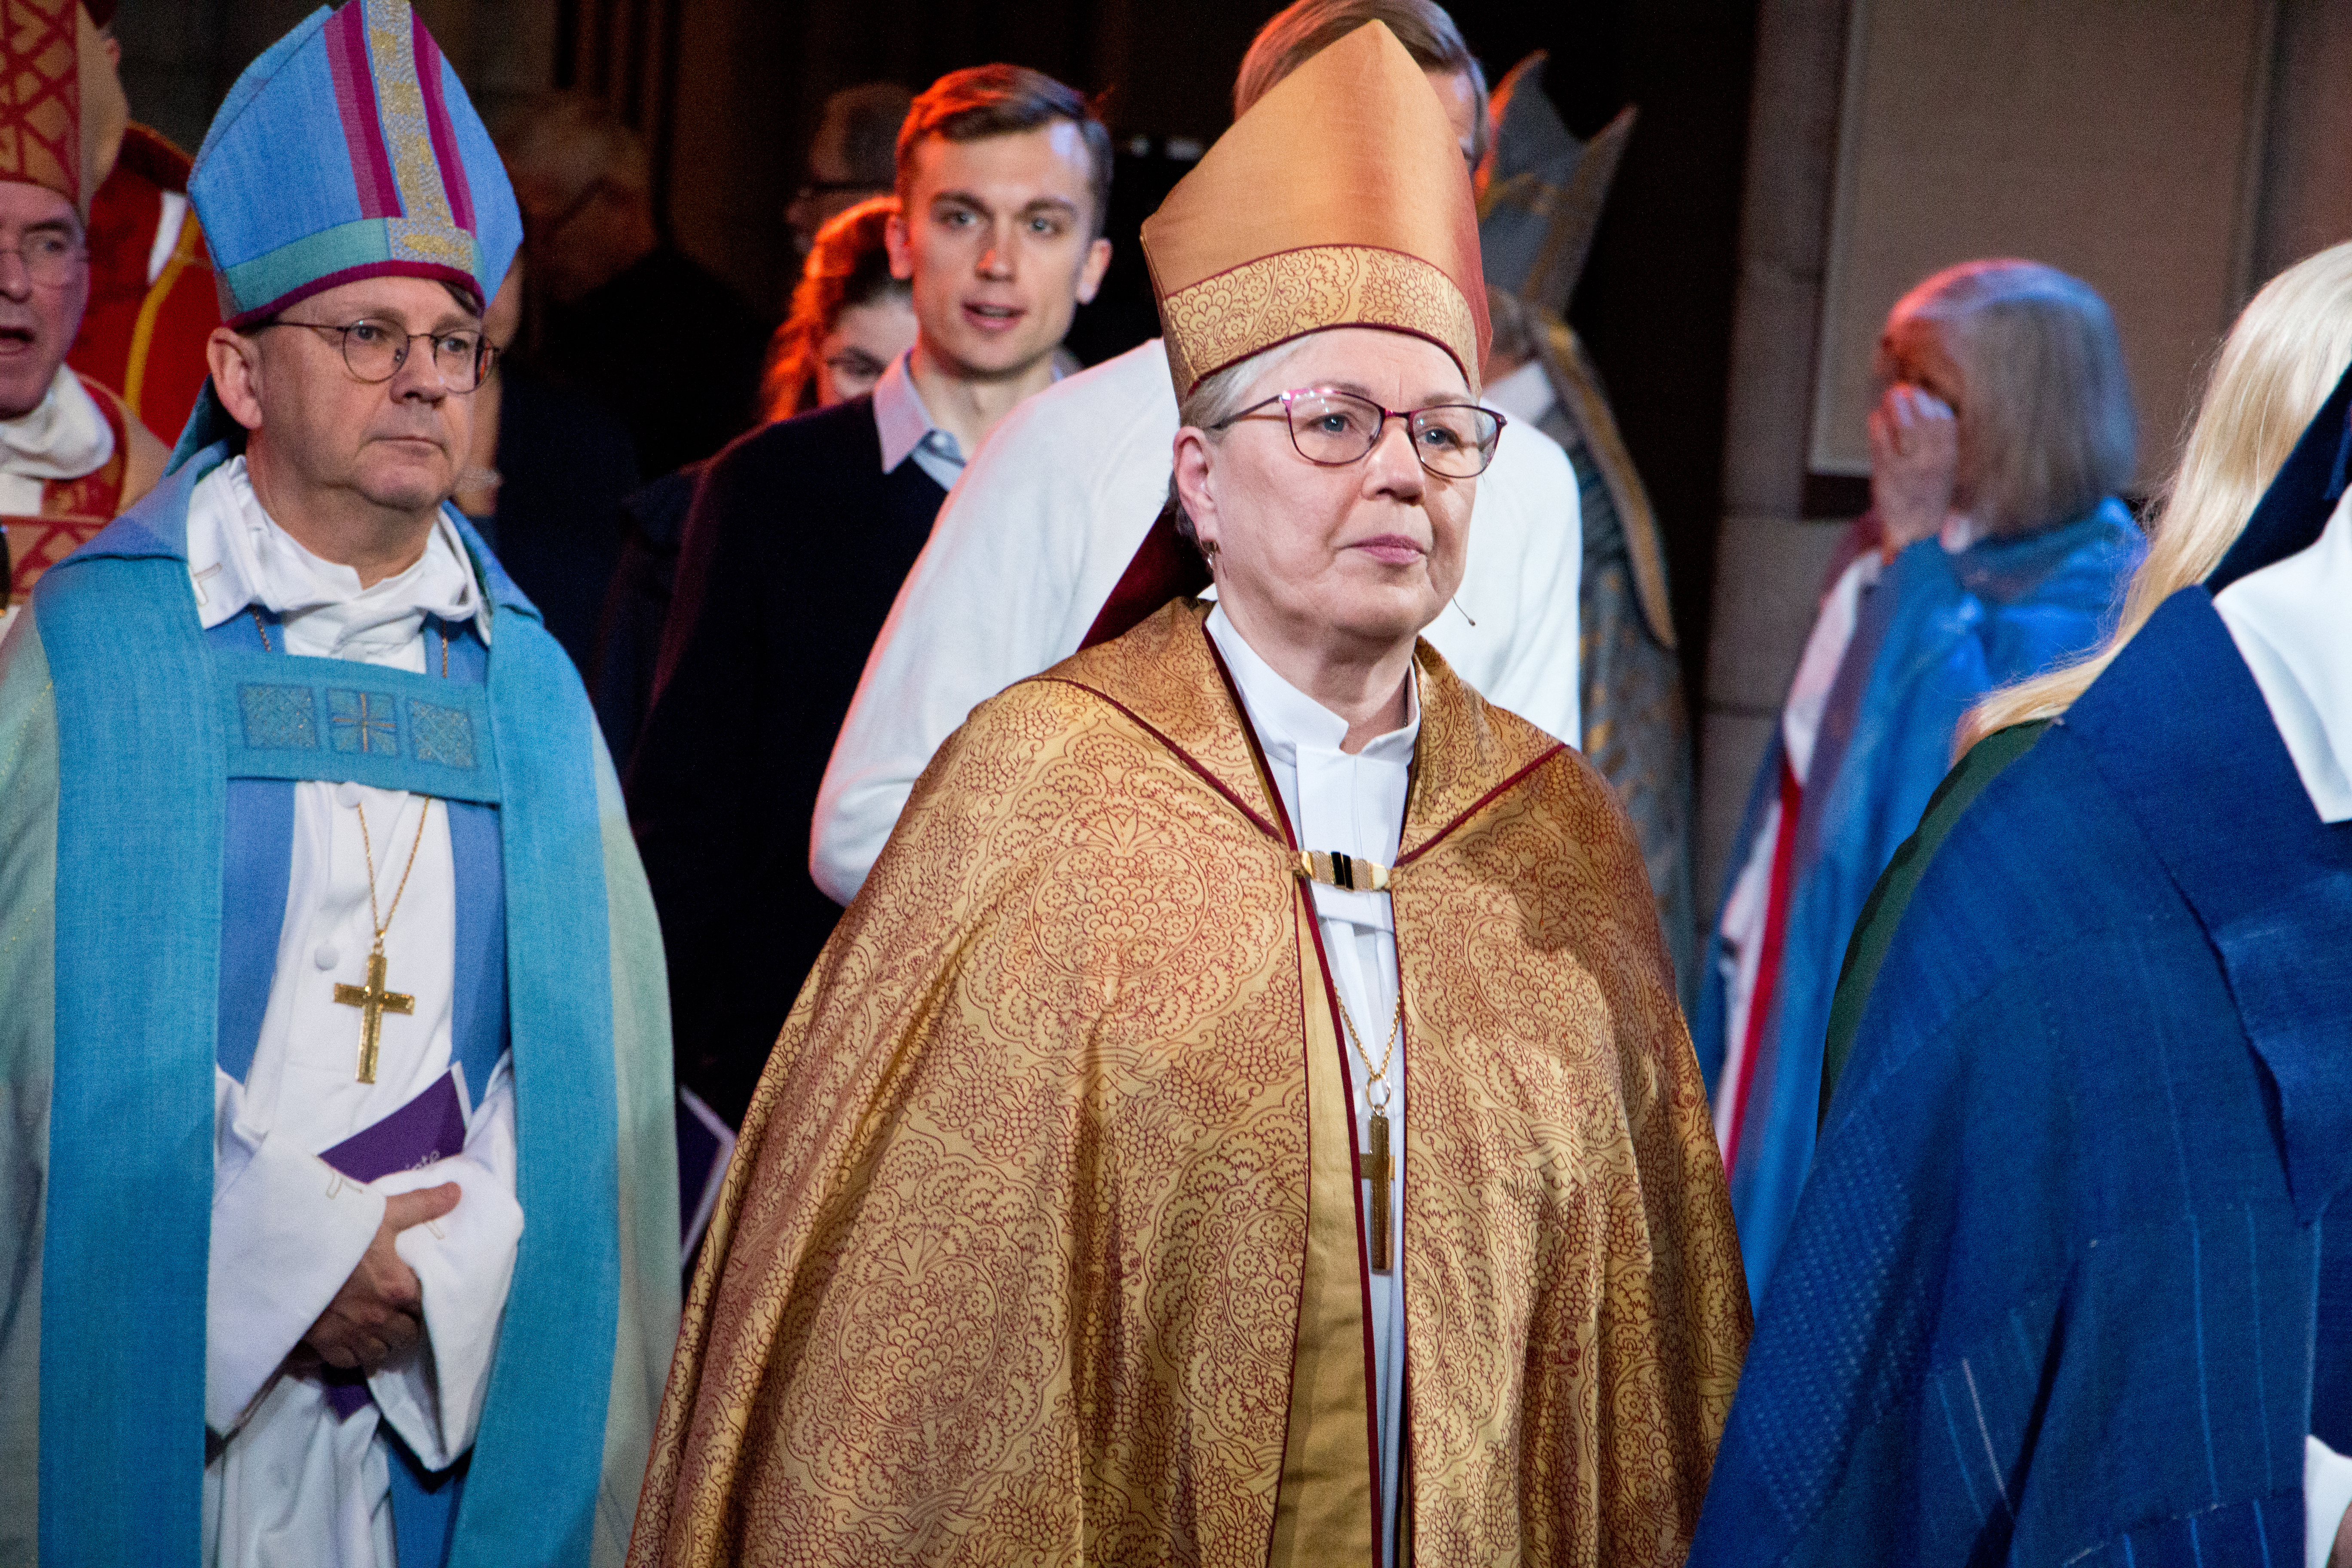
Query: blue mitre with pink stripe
{"x": 350, "y": 150}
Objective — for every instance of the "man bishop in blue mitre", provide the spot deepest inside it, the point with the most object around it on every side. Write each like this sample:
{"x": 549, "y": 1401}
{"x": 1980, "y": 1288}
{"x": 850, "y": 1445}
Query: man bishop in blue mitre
{"x": 333, "y": 1041}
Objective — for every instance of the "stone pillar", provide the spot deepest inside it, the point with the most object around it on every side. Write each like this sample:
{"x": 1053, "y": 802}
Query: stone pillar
{"x": 1768, "y": 557}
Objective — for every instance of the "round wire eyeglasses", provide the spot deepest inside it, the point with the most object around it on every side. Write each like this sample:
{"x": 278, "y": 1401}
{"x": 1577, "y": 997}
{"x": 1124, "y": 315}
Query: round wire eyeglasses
{"x": 375, "y": 351}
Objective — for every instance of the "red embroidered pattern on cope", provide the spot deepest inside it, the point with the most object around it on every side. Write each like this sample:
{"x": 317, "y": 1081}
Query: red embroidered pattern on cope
{"x": 40, "y": 96}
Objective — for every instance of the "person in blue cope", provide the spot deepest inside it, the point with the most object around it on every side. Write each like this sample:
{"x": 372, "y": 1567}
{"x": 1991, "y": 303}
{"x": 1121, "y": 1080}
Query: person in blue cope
{"x": 2068, "y": 1283}
{"x": 1995, "y": 547}
{"x": 332, "y": 1019}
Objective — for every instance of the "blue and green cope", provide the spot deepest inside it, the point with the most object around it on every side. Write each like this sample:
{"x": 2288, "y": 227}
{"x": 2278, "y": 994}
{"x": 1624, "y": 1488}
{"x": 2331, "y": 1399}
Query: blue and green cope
{"x": 120, "y": 726}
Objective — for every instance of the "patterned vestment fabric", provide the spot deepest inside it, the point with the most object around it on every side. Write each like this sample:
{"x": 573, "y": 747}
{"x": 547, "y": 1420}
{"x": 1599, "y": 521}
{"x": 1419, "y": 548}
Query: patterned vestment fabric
{"x": 1010, "y": 1262}
{"x": 145, "y": 336}
{"x": 73, "y": 511}
{"x": 1636, "y": 726}
{"x": 1939, "y": 631}
{"x": 40, "y": 96}
{"x": 2068, "y": 1284}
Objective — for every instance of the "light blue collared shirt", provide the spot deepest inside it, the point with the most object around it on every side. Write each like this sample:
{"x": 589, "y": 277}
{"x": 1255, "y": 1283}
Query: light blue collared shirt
{"x": 907, "y": 429}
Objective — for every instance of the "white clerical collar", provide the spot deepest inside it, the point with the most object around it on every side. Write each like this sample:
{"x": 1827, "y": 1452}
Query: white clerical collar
{"x": 1526, "y": 395}
{"x": 64, "y": 437}
{"x": 1350, "y": 804}
{"x": 1286, "y": 719}
{"x": 239, "y": 557}
{"x": 2288, "y": 621}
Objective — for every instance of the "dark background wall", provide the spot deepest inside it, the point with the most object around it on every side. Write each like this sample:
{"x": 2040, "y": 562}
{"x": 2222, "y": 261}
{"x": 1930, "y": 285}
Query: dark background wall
{"x": 1741, "y": 113}
{"x": 729, "y": 90}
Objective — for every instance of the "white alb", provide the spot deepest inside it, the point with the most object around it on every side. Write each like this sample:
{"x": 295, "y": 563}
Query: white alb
{"x": 293, "y": 1484}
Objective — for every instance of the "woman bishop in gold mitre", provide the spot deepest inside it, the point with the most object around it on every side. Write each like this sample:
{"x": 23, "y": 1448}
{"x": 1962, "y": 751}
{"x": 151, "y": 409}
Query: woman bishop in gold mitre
{"x": 1245, "y": 1118}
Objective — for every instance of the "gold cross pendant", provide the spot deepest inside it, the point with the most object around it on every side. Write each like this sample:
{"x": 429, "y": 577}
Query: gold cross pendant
{"x": 1381, "y": 1174}
{"x": 374, "y": 1001}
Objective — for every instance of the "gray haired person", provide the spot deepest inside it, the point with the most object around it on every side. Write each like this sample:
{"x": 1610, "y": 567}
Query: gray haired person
{"x": 604, "y": 283}
{"x": 853, "y": 157}
{"x": 1995, "y": 549}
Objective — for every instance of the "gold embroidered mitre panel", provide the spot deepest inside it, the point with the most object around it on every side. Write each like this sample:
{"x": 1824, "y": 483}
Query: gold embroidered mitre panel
{"x": 1009, "y": 1264}
{"x": 1339, "y": 199}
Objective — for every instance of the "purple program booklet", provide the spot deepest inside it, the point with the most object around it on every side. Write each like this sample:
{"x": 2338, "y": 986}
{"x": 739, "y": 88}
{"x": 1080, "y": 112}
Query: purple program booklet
{"x": 429, "y": 1128}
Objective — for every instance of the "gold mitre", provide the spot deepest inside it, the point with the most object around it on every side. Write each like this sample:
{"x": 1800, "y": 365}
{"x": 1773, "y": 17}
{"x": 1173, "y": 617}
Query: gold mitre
{"x": 1339, "y": 200}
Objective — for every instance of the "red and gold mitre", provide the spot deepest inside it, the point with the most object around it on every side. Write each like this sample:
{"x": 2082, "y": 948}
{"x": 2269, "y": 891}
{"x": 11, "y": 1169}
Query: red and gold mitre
{"x": 1339, "y": 200}
{"x": 45, "y": 47}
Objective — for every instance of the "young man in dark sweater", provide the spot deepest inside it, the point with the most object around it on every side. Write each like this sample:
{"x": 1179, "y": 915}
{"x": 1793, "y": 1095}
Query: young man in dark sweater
{"x": 800, "y": 533}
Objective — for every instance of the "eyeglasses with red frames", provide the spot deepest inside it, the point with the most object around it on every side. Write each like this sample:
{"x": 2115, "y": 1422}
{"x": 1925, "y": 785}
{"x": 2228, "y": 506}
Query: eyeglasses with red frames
{"x": 1332, "y": 428}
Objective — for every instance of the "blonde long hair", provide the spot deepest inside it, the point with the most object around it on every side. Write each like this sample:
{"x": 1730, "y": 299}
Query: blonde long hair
{"x": 2277, "y": 366}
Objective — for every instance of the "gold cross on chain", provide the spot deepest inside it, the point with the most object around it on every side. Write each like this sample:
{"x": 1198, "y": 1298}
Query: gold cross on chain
{"x": 374, "y": 1001}
{"x": 1381, "y": 1172}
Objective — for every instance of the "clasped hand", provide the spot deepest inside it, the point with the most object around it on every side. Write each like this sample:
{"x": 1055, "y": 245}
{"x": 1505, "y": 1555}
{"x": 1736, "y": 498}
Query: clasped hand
{"x": 1915, "y": 460}
{"x": 379, "y": 1312}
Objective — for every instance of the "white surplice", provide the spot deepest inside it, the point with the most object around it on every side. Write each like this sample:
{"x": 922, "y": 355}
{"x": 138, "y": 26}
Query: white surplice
{"x": 1354, "y": 805}
{"x": 1041, "y": 526}
{"x": 64, "y": 437}
{"x": 293, "y": 1484}
{"x": 2287, "y": 620}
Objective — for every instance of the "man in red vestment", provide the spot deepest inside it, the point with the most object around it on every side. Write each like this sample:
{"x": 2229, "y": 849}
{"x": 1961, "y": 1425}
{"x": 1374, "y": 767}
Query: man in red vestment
{"x": 72, "y": 456}
{"x": 151, "y": 303}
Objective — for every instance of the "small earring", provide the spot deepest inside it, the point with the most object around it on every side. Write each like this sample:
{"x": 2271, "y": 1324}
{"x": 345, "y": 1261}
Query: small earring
{"x": 1209, "y": 547}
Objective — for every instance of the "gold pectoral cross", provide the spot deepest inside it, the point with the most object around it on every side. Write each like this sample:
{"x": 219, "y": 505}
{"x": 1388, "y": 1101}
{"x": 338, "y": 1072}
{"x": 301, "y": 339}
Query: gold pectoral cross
{"x": 1381, "y": 1174}
{"x": 374, "y": 1001}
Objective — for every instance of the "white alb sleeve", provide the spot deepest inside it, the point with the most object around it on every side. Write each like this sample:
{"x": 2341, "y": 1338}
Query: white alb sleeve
{"x": 2327, "y": 1493}
{"x": 1023, "y": 552}
{"x": 465, "y": 1263}
{"x": 1536, "y": 506}
{"x": 288, "y": 1230}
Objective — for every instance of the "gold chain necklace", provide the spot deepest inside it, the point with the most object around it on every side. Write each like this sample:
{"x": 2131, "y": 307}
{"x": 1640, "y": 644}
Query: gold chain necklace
{"x": 1378, "y": 1167}
{"x": 374, "y": 1000}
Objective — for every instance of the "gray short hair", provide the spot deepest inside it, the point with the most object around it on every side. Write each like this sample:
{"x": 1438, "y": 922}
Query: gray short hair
{"x": 864, "y": 121}
{"x": 2048, "y": 423}
{"x": 1216, "y": 399}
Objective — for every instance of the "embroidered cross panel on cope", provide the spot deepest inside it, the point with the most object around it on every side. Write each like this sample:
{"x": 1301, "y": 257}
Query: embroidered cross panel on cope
{"x": 361, "y": 721}
{"x": 278, "y": 718}
{"x": 444, "y": 735}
